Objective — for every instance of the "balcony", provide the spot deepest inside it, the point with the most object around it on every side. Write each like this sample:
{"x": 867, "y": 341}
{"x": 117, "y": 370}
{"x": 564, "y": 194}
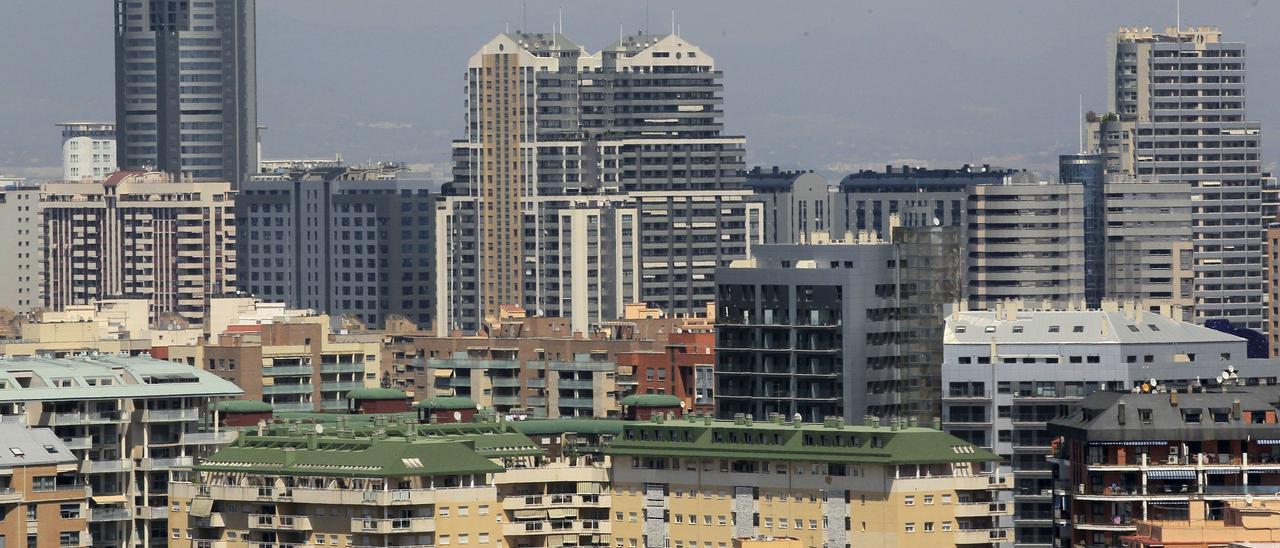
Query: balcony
{"x": 78, "y": 442}
{"x": 983, "y": 536}
{"x": 289, "y": 370}
{"x": 10, "y": 495}
{"x": 394, "y": 525}
{"x": 556, "y": 527}
{"x": 106, "y": 466}
{"x": 506, "y": 382}
{"x": 555, "y": 501}
{"x": 165, "y": 463}
{"x": 211, "y": 438}
{"x": 153, "y": 512}
{"x": 287, "y": 389}
{"x": 279, "y": 523}
{"x": 574, "y": 384}
{"x": 82, "y": 417}
{"x": 342, "y": 368}
{"x": 1102, "y": 523}
{"x": 170, "y": 415}
{"x": 574, "y": 402}
{"x": 982, "y": 509}
{"x": 214, "y": 519}
{"x": 109, "y": 514}
{"x": 340, "y": 386}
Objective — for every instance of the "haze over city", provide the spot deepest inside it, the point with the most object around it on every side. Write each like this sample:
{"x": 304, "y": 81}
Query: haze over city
{"x": 825, "y": 85}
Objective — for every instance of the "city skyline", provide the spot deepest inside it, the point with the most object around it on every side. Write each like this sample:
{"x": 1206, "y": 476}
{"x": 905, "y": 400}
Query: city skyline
{"x": 1012, "y": 109}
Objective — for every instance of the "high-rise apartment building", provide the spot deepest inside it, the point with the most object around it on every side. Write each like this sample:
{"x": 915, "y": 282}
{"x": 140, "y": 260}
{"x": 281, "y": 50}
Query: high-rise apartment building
{"x": 612, "y": 164}
{"x": 88, "y": 150}
{"x": 346, "y": 240}
{"x": 1089, "y": 171}
{"x": 20, "y": 224}
{"x": 836, "y": 329}
{"x": 139, "y": 235}
{"x": 1177, "y": 114}
{"x": 1148, "y": 246}
{"x": 186, "y": 91}
{"x": 1026, "y": 242}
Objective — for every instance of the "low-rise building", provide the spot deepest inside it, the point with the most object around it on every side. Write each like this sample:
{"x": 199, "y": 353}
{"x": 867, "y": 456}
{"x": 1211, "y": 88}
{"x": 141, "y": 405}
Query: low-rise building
{"x": 537, "y": 366}
{"x": 294, "y": 360}
{"x": 130, "y": 423}
{"x": 695, "y": 482}
{"x": 1125, "y": 457}
{"x": 44, "y": 499}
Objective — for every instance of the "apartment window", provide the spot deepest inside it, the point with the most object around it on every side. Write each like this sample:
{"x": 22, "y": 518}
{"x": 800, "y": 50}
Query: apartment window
{"x": 482, "y": 538}
{"x": 928, "y": 526}
{"x": 463, "y": 511}
{"x": 910, "y": 527}
{"x": 946, "y": 526}
{"x": 928, "y": 499}
{"x": 464, "y": 538}
{"x": 909, "y": 500}
{"x": 946, "y": 499}
{"x": 445, "y": 540}
{"x": 483, "y": 510}
{"x": 1144, "y": 415}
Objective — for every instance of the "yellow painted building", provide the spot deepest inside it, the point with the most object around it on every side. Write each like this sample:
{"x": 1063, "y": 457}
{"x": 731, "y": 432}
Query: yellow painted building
{"x": 695, "y": 483}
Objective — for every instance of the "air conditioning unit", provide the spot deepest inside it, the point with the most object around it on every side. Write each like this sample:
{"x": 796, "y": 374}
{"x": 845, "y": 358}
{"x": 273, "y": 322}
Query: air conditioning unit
{"x": 1173, "y": 459}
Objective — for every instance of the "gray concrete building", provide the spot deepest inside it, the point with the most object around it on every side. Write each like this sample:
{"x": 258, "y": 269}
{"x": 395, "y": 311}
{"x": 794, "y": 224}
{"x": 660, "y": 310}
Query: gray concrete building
{"x": 1009, "y": 371}
{"x": 21, "y": 245}
{"x": 186, "y": 90}
{"x": 1176, "y": 113}
{"x": 1025, "y": 240}
{"x": 1149, "y": 247}
{"x": 635, "y": 129}
{"x": 342, "y": 240}
{"x": 835, "y": 328}
{"x": 88, "y": 150}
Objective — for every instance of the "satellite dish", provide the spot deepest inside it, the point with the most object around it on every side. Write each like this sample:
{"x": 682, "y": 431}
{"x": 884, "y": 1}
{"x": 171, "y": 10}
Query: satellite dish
{"x": 1146, "y": 388}
{"x": 1152, "y": 382}
{"x": 1222, "y": 377}
{"x": 1231, "y": 369}
{"x": 457, "y": 416}
{"x": 319, "y": 428}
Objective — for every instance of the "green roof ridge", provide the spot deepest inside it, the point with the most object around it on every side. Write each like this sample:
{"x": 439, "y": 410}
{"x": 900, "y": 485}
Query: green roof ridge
{"x": 651, "y": 400}
{"x": 376, "y": 394}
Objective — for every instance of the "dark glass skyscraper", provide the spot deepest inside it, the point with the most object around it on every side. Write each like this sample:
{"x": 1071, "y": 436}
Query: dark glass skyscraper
{"x": 1090, "y": 170}
{"x": 186, "y": 96}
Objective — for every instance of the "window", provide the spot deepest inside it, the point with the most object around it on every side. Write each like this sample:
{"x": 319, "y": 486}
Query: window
{"x": 909, "y": 500}
{"x": 483, "y": 510}
{"x": 928, "y": 526}
{"x": 928, "y": 499}
{"x": 464, "y": 538}
{"x": 1054, "y": 329}
{"x": 463, "y": 511}
{"x": 946, "y": 526}
{"x": 910, "y": 527}
{"x": 946, "y": 499}
{"x": 1144, "y": 415}
{"x": 483, "y": 538}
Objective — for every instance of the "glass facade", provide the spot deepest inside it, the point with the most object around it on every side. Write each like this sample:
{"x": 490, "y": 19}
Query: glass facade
{"x": 1090, "y": 170}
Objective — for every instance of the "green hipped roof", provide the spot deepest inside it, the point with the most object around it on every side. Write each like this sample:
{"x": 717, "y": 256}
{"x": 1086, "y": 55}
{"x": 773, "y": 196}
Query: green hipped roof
{"x": 542, "y": 427}
{"x": 651, "y": 400}
{"x": 488, "y": 439}
{"x": 679, "y": 438}
{"x": 346, "y": 457}
{"x": 447, "y": 403}
{"x": 376, "y": 394}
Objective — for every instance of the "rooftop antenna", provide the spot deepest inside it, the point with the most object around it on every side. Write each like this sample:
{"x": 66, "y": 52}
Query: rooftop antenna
{"x": 1080, "y": 113}
{"x": 560, "y": 18}
{"x": 1178, "y": 17}
{"x": 673, "y": 21}
{"x": 524, "y": 14}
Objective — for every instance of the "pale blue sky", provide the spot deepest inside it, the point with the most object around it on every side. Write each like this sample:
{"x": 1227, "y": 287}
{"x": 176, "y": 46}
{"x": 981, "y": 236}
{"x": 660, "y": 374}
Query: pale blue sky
{"x": 830, "y": 85}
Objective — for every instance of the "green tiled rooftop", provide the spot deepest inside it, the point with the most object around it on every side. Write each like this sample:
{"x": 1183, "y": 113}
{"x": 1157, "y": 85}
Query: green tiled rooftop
{"x": 348, "y": 457}
{"x": 376, "y": 394}
{"x": 787, "y": 442}
{"x": 651, "y": 400}
{"x": 447, "y": 403}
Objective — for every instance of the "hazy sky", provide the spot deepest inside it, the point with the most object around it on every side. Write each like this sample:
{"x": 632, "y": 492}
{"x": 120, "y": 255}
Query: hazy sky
{"x": 828, "y": 85}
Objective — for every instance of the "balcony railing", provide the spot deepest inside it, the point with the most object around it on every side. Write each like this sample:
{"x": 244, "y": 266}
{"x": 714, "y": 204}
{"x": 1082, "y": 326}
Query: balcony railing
{"x": 211, "y": 438}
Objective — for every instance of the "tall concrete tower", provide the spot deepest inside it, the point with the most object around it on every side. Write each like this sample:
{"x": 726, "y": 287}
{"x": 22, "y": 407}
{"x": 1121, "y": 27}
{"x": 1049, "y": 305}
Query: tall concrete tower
{"x": 186, "y": 95}
{"x": 1177, "y": 114}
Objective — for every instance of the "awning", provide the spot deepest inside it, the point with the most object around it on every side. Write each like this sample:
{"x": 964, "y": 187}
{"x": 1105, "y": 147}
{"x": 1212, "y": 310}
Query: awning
{"x": 1171, "y": 474}
{"x": 1267, "y": 442}
{"x": 201, "y": 507}
{"x": 589, "y": 488}
{"x": 1220, "y": 471}
{"x": 561, "y": 513}
{"x": 531, "y": 514}
{"x": 109, "y": 499}
{"x": 443, "y": 373}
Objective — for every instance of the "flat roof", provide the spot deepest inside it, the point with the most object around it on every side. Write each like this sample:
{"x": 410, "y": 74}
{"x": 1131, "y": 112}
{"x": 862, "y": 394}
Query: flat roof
{"x": 105, "y": 377}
